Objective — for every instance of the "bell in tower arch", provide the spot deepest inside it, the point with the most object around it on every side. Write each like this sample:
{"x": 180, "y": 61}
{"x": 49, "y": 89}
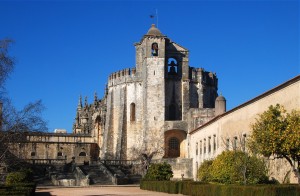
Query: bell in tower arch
{"x": 154, "y": 49}
{"x": 172, "y": 66}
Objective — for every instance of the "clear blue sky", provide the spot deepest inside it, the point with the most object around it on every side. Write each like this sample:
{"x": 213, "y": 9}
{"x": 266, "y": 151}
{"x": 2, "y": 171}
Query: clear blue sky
{"x": 67, "y": 48}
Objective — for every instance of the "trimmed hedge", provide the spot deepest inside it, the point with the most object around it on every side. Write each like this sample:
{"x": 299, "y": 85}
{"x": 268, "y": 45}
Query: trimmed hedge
{"x": 201, "y": 189}
{"x": 23, "y": 189}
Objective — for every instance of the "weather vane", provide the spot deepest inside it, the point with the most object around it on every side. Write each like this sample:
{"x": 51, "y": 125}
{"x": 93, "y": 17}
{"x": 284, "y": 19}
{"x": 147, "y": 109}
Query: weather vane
{"x": 155, "y": 16}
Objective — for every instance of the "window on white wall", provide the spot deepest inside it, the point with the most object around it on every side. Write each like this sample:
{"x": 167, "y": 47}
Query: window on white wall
{"x": 227, "y": 143}
{"x": 214, "y": 143}
{"x": 200, "y": 147}
{"x": 235, "y": 143}
{"x": 244, "y": 142}
{"x": 209, "y": 144}
{"x": 204, "y": 146}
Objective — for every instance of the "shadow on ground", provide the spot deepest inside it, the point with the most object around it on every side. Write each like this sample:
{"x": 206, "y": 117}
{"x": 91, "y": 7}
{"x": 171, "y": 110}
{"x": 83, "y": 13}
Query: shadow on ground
{"x": 43, "y": 194}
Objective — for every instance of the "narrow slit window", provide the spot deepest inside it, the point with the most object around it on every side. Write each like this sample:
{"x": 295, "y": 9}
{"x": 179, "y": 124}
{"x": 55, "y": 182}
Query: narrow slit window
{"x": 204, "y": 147}
{"x": 200, "y": 147}
{"x": 132, "y": 112}
{"x": 235, "y": 143}
{"x": 209, "y": 144}
{"x": 215, "y": 144}
{"x": 227, "y": 144}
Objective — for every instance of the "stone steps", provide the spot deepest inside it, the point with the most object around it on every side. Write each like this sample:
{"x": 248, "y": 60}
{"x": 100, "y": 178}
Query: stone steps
{"x": 96, "y": 175}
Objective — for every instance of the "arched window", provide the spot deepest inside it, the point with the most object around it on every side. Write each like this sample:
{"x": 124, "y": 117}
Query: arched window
{"x": 174, "y": 150}
{"x": 59, "y": 154}
{"x": 154, "y": 49}
{"x": 82, "y": 154}
{"x": 33, "y": 154}
{"x": 132, "y": 112}
{"x": 172, "y": 66}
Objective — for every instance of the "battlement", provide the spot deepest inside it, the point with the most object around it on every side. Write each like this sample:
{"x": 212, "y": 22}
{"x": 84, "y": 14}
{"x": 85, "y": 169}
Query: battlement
{"x": 121, "y": 76}
{"x": 200, "y": 75}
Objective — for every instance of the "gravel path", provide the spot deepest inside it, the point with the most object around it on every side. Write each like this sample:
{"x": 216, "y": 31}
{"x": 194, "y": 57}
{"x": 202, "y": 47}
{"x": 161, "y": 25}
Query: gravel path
{"x": 96, "y": 191}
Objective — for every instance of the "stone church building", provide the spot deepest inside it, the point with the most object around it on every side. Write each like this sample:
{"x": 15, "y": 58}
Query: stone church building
{"x": 151, "y": 107}
{"x": 161, "y": 107}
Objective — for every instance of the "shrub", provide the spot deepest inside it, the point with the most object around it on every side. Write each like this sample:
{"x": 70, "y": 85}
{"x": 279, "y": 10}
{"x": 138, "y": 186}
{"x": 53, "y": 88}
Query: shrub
{"x": 159, "y": 171}
{"x": 237, "y": 167}
{"x": 204, "y": 171}
{"x": 19, "y": 177}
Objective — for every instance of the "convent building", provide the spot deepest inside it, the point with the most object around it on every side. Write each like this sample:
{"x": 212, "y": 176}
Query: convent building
{"x": 164, "y": 108}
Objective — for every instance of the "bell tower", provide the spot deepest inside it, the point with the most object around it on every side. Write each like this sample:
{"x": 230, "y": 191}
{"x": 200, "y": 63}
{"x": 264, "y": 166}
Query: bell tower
{"x": 150, "y": 67}
{"x": 151, "y": 46}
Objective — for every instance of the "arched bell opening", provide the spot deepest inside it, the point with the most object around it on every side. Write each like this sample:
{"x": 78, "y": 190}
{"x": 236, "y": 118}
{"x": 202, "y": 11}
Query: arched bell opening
{"x": 172, "y": 67}
{"x": 154, "y": 49}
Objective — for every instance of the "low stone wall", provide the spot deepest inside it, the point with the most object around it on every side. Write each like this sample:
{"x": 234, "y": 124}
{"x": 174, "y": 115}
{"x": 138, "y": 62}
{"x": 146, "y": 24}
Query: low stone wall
{"x": 81, "y": 178}
{"x": 106, "y": 171}
{"x": 181, "y": 167}
{"x": 62, "y": 182}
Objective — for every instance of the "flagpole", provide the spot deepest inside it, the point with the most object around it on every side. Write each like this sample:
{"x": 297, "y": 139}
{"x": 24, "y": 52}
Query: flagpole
{"x": 156, "y": 18}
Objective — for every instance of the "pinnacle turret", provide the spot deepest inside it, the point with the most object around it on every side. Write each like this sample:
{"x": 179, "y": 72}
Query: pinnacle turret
{"x": 79, "y": 106}
{"x": 95, "y": 97}
{"x": 85, "y": 102}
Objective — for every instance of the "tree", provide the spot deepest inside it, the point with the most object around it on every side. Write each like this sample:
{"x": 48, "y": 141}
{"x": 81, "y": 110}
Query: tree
{"x": 151, "y": 148}
{"x": 237, "y": 167}
{"x": 15, "y": 124}
{"x": 6, "y": 62}
{"x": 276, "y": 134}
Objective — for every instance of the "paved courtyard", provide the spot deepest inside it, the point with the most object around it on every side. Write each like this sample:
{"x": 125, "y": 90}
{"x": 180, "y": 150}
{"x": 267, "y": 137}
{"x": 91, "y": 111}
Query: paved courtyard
{"x": 96, "y": 191}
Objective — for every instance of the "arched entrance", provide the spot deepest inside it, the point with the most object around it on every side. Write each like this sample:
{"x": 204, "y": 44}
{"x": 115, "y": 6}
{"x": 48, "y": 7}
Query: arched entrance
{"x": 175, "y": 143}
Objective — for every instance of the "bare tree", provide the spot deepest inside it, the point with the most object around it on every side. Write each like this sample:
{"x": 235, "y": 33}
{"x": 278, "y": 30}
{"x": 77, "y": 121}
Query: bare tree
{"x": 15, "y": 124}
{"x": 15, "y": 127}
{"x": 153, "y": 147}
{"x": 6, "y": 61}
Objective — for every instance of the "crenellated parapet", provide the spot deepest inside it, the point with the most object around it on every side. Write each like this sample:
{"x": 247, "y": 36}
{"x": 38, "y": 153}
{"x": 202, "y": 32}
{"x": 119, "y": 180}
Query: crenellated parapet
{"x": 202, "y": 76}
{"x": 122, "y": 76}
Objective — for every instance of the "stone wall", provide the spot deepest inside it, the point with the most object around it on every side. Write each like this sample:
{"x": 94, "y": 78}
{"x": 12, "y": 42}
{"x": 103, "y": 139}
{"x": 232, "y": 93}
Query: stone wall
{"x": 181, "y": 167}
{"x": 54, "y": 146}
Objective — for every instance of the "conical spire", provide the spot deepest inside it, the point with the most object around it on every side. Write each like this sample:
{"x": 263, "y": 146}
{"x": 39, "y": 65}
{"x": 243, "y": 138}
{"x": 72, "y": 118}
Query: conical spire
{"x": 95, "y": 97}
{"x": 79, "y": 106}
{"x": 85, "y": 102}
{"x": 153, "y": 31}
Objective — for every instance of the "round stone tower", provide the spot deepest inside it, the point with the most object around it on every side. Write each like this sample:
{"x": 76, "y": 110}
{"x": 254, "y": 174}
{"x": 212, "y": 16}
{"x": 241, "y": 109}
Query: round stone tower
{"x": 220, "y": 105}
